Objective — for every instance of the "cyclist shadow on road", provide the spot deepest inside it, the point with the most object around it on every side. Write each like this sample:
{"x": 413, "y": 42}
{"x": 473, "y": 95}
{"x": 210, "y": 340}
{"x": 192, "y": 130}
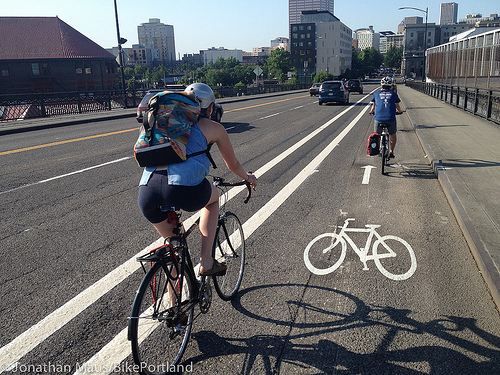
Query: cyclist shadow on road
{"x": 306, "y": 341}
{"x": 237, "y": 127}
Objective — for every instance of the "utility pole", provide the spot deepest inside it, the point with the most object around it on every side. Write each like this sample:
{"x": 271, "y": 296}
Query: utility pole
{"x": 120, "y": 55}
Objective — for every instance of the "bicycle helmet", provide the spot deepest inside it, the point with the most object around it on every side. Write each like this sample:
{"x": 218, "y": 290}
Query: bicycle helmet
{"x": 203, "y": 93}
{"x": 386, "y": 81}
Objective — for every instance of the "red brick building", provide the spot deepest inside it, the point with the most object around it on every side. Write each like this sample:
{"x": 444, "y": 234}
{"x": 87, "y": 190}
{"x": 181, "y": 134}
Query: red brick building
{"x": 44, "y": 54}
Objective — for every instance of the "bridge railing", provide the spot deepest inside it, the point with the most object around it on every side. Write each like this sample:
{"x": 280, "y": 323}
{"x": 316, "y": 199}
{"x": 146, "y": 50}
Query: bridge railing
{"x": 475, "y": 100}
{"x": 15, "y": 107}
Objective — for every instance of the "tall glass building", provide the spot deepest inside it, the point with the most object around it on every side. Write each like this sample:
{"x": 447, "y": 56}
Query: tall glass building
{"x": 295, "y": 8}
{"x": 448, "y": 13}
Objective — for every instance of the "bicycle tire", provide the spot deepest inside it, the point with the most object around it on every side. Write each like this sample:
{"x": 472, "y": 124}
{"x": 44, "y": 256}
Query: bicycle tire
{"x": 333, "y": 248}
{"x": 157, "y": 348}
{"x": 384, "y": 153}
{"x": 384, "y": 269}
{"x": 230, "y": 248}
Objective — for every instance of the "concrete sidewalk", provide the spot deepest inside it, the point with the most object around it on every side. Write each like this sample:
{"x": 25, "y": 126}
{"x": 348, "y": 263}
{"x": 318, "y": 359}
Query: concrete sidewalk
{"x": 465, "y": 153}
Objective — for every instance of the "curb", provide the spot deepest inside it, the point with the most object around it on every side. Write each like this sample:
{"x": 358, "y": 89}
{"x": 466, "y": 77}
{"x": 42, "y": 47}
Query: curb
{"x": 57, "y": 123}
{"x": 483, "y": 259}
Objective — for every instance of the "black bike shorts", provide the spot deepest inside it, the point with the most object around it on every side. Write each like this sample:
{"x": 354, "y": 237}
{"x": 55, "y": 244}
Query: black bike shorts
{"x": 392, "y": 128}
{"x": 158, "y": 193}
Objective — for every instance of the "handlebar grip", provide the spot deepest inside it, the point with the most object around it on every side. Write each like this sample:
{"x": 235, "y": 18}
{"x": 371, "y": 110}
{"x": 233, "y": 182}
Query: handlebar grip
{"x": 249, "y": 192}
{"x": 249, "y": 189}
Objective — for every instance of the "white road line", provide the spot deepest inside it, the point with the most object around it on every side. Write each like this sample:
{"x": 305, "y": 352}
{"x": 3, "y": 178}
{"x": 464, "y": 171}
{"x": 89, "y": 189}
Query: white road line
{"x": 113, "y": 353}
{"x": 36, "y": 334}
{"x": 366, "y": 174}
{"x": 266, "y": 117}
{"x": 65, "y": 175}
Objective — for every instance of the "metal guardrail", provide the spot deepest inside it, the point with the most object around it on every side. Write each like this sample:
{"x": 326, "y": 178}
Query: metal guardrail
{"x": 25, "y": 106}
{"x": 475, "y": 100}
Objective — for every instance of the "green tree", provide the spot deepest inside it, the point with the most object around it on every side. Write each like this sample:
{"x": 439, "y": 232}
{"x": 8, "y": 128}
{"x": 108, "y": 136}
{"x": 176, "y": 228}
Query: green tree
{"x": 371, "y": 59}
{"x": 322, "y": 77}
{"x": 132, "y": 84}
{"x": 357, "y": 66}
{"x": 278, "y": 64}
{"x": 139, "y": 70}
{"x": 393, "y": 57}
{"x": 129, "y": 72}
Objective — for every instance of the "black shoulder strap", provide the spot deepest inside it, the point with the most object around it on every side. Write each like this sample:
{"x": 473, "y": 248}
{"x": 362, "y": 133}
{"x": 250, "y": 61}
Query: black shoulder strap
{"x": 206, "y": 151}
{"x": 149, "y": 121}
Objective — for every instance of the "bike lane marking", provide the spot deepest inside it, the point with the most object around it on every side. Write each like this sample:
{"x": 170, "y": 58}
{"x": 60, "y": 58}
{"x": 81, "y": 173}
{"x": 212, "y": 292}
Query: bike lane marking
{"x": 374, "y": 241}
{"x": 36, "y": 334}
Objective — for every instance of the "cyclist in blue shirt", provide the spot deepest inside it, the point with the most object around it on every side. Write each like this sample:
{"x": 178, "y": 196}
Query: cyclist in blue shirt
{"x": 385, "y": 106}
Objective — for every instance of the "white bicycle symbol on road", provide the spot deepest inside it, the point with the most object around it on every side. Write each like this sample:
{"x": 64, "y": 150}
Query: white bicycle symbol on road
{"x": 384, "y": 250}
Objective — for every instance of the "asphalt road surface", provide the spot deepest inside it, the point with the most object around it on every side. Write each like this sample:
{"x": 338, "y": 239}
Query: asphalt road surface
{"x": 71, "y": 229}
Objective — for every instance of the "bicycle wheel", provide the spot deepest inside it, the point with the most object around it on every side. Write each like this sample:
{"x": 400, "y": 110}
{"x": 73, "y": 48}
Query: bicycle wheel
{"x": 383, "y": 153}
{"x": 401, "y": 268}
{"x": 158, "y": 341}
{"x": 325, "y": 249}
{"x": 230, "y": 248}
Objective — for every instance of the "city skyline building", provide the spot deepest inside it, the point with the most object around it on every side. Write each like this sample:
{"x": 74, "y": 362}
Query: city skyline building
{"x": 367, "y": 38}
{"x": 159, "y": 36}
{"x": 296, "y": 7}
{"x": 320, "y": 43}
{"x": 448, "y": 13}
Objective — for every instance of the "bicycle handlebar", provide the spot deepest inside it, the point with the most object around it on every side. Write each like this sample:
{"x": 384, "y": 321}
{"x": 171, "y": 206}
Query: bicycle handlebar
{"x": 219, "y": 181}
{"x": 397, "y": 113}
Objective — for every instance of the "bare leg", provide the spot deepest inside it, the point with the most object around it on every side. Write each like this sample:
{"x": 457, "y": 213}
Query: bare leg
{"x": 164, "y": 228}
{"x": 209, "y": 216}
{"x": 392, "y": 142}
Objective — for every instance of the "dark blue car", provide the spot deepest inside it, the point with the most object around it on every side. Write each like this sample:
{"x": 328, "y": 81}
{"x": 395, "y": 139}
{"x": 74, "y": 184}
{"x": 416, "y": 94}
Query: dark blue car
{"x": 333, "y": 91}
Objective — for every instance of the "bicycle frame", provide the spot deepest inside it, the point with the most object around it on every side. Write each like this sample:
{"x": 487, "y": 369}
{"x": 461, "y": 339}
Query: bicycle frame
{"x": 363, "y": 251}
{"x": 384, "y": 142}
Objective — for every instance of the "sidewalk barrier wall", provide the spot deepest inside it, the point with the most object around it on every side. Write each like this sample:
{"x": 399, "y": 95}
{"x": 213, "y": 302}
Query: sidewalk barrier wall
{"x": 476, "y": 100}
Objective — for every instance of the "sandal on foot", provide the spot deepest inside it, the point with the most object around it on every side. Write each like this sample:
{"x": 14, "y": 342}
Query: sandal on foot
{"x": 218, "y": 269}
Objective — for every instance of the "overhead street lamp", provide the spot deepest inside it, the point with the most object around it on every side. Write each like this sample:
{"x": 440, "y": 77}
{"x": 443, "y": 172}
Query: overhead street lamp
{"x": 120, "y": 55}
{"x": 426, "y": 11}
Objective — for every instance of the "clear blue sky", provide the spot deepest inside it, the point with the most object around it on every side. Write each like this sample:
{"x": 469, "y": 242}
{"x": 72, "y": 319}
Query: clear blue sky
{"x": 233, "y": 24}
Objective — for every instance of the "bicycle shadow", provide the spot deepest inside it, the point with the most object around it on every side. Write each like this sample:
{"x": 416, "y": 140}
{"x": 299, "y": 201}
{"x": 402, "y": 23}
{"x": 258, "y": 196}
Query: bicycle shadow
{"x": 307, "y": 347}
{"x": 411, "y": 170}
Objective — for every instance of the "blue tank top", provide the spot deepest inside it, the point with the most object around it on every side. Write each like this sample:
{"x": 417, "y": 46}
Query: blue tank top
{"x": 190, "y": 172}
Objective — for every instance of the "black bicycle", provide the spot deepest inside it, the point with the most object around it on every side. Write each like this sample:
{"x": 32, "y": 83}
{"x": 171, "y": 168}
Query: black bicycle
{"x": 163, "y": 311}
{"x": 385, "y": 152}
{"x": 384, "y": 145}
